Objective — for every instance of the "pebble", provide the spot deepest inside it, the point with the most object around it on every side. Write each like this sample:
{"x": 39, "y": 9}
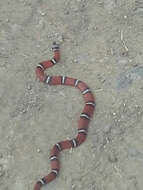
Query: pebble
{"x": 60, "y": 38}
{"x": 114, "y": 113}
{"x": 42, "y": 13}
{"x": 107, "y": 140}
{"x": 73, "y": 186}
{"x": 75, "y": 61}
{"x": 38, "y": 150}
{"x": 23, "y": 111}
{"x": 29, "y": 87}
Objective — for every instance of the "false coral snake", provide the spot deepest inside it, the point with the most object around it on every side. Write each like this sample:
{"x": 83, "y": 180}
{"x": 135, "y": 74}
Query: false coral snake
{"x": 83, "y": 121}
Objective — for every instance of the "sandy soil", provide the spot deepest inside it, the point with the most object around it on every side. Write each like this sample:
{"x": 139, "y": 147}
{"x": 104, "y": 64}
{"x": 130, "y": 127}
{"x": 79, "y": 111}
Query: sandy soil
{"x": 101, "y": 44}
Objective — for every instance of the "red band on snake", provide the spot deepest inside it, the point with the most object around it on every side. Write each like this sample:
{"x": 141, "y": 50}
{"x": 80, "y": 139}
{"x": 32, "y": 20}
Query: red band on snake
{"x": 83, "y": 121}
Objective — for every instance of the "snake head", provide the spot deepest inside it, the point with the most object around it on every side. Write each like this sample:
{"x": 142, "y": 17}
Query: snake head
{"x": 55, "y": 46}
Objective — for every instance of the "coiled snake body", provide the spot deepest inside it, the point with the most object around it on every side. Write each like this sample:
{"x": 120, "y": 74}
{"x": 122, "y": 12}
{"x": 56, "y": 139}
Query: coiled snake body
{"x": 83, "y": 121}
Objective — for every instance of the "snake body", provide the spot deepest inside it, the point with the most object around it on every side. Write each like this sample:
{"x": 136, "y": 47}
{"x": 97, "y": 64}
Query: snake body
{"x": 83, "y": 121}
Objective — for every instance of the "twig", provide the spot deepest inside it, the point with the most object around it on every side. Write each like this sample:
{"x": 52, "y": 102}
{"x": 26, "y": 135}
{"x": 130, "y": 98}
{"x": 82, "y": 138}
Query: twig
{"x": 123, "y": 42}
{"x": 99, "y": 90}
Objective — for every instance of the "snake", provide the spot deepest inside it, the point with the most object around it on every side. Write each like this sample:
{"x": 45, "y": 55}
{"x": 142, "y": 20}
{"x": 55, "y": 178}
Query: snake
{"x": 83, "y": 121}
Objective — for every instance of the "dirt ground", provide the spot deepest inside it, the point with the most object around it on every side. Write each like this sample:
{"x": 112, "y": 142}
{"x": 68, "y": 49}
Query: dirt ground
{"x": 101, "y": 44}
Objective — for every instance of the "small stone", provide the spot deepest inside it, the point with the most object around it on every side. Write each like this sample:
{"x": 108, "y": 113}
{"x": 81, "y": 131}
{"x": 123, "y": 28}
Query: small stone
{"x": 73, "y": 186}
{"x": 95, "y": 28}
{"x": 49, "y": 36}
{"x": 29, "y": 87}
{"x": 23, "y": 111}
{"x": 75, "y": 61}
{"x": 38, "y": 150}
{"x": 42, "y": 13}
{"x": 125, "y": 16}
{"x": 114, "y": 113}
{"x": 101, "y": 60}
{"x": 124, "y": 53}
{"x": 107, "y": 140}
